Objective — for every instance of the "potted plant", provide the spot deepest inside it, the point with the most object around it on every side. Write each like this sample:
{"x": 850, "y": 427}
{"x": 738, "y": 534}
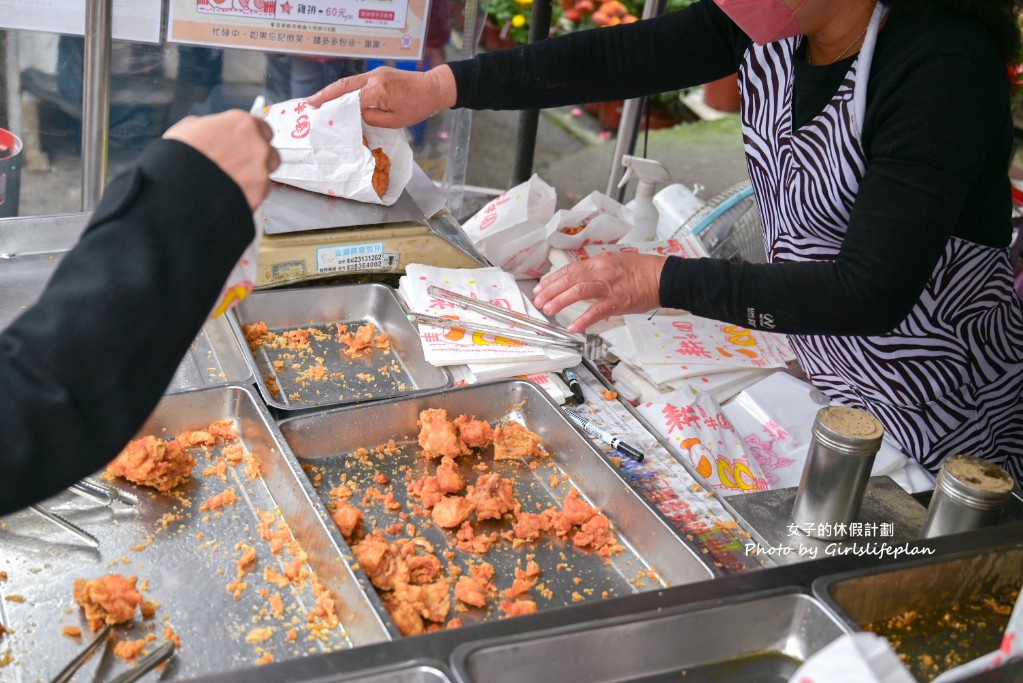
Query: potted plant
{"x": 507, "y": 23}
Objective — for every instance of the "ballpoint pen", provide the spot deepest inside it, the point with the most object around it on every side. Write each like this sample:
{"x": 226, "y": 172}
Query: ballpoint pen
{"x": 592, "y": 429}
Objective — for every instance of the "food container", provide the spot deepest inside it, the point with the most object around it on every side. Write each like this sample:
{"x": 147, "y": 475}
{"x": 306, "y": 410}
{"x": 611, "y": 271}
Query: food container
{"x": 327, "y": 446}
{"x": 751, "y": 638}
{"x": 931, "y": 587}
{"x": 970, "y": 493}
{"x": 842, "y": 449}
{"x": 185, "y": 557}
{"x": 403, "y": 370}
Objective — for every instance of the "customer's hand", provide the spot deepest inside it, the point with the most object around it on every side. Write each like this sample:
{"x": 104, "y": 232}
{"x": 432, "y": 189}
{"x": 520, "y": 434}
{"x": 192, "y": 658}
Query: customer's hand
{"x": 392, "y": 98}
{"x": 620, "y": 284}
{"x": 238, "y": 143}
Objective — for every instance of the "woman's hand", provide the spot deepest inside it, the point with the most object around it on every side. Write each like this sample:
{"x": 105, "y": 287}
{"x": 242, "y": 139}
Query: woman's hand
{"x": 620, "y": 284}
{"x": 392, "y": 98}
{"x": 238, "y": 143}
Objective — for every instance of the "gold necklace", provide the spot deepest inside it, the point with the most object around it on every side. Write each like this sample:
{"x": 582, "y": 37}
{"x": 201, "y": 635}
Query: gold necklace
{"x": 843, "y": 52}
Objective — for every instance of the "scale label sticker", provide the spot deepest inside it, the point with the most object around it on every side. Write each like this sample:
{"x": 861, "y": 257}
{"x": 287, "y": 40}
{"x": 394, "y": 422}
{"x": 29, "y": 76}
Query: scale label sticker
{"x": 345, "y": 258}
{"x": 287, "y": 270}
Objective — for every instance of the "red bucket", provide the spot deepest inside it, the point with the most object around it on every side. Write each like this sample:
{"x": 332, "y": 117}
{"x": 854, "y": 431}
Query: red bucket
{"x": 10, "y": 173}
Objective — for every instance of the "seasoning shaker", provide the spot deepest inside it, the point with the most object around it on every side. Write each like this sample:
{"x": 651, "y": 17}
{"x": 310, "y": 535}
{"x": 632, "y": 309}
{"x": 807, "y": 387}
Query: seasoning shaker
{"x": 842, "y": 449}
{"x": 970, "y": 493}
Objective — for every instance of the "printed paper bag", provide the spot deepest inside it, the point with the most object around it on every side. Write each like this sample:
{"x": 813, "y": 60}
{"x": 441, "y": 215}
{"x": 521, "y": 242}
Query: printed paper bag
{"x": 694, "y": 423}
{"x": 597, "y": 219}
{"x": 519, "y": 214}
{"x": 322, "y": 150}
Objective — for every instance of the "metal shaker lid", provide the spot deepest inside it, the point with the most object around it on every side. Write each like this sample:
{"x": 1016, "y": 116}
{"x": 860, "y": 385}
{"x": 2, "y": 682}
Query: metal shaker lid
{"x": 975, "y": 481}
{"x": 849, "y": 430}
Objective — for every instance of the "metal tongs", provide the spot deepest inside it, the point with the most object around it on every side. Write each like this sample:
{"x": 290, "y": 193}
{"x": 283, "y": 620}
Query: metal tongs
{"x": 95, "y": 491}
{"x": 145, "y": 665}
{"x": 537, "y": 332}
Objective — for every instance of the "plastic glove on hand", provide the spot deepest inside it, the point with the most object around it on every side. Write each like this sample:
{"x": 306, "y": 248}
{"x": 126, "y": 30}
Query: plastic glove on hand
{"x": 619, "y": 284}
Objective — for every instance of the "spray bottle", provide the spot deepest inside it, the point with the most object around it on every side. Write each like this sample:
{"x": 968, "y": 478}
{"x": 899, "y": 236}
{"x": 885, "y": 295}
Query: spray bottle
{"x": 644, "y": 213}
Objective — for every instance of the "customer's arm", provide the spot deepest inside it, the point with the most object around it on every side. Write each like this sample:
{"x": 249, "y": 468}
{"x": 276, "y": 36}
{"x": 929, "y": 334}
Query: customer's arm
{"x": 82, "y": 369}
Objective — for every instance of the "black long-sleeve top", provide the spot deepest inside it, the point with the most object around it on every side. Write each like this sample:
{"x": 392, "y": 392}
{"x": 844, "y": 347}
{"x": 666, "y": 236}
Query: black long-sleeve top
{"x": 937, "y": 138}
{"x": 81, "y": 370}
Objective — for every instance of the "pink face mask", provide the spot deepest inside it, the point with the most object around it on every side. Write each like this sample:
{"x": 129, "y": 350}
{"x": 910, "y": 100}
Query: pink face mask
{"x": 765, "y": 21}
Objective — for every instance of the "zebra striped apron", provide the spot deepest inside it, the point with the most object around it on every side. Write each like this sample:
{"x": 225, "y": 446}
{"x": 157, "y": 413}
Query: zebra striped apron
{"x": 949, "y": 378}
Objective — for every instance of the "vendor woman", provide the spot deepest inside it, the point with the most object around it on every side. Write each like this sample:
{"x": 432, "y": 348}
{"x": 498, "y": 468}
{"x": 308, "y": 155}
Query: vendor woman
{"x": 877, "y": 138}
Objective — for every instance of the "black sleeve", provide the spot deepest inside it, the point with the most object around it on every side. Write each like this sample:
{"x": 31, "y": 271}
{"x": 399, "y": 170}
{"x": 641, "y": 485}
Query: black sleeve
{"x": 680, "y": 49}
{"x": 83, "y": 368}
{"x": 938, "y": 123}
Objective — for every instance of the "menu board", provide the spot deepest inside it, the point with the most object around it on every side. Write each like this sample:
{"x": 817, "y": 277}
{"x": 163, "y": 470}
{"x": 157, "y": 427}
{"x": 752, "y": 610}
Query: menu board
{"x": 380, "y": 29}
{"x": 134, "y": 20}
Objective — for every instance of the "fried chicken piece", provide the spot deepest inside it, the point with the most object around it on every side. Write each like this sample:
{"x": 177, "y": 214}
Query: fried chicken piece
{"x": 380, "y": 561}
{"x": 469, "y": 542}
{"x": 423, "y": 569}
{"x": 381, "y": 171}
{"x": 449, "y": 479}
{"x": 195, "y": 439}
{"x": 431, "y": 601}
{"x": 129, "y": 649}
{"x": 594, "y": 533}
{"x": 110, "y": 599}
{"x": 361, "y": 343}
{"x": 476, "y": 589}
{"x": 151, "y": 461}
{"x": 405, "y": 616}
{"x": 438, "y": 436}
{"x": 524, "y": 580}
{"x": 517, "y": 608}
{"x": 512, "y": 441}
{"x": 426, "y": 490}
{"x": 452, "y": 511}
{"x": 223, "y": 429}
{"x": 227, "y": 497}
{"x": 493, "y": 495}
{"x": 475, "y": 433}
{"x": 529, "y": 525}
{"x": 575, "y": 512}
{"x": 255, "y": 334}
{"x": 347, "y": 517}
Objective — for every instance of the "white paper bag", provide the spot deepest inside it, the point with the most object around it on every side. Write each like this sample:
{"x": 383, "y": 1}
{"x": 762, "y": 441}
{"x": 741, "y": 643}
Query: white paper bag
{"x": 695, "y": 424}
{"x": 321, "y": 150}
{"x": 525, "y": 208}
{"x": 597, "y": 219}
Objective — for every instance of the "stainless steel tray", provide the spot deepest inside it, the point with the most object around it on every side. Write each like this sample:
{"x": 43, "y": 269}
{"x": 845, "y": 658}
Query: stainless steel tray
{"x": 324, "y": 307}
{"x": 31, "y": 250}
{"x": 749, "y": 639}
{"x": 324, "y": 442}
{"x": 407, "y": 672}
{"x": 927, "y": 586}
{"x": 182, "y": 569}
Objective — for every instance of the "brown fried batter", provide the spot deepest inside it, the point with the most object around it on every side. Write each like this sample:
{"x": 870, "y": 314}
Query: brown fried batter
{"x": 449, "y": 479}
{"x": 476, "y": 589}
{"x": 347, "y": 517}
{"x": 437, "y": 435}
{"x": 524, "y": 580}
{"x": 432, "y": 601}
{"x": 512, "y": 441}
{"x": 575, "y": 512}
{"x": 529, "y": 525}
{"x": 594, "y": 533}
{"x": 475, "y": 433}
{"x": 379, "y": 559}
{"x": 452, "y": 511}
{"x": 151, "y": 461}
{"x": 517, "y": 608}
{"x": 110, "y": 599}
{"x": 427, "y": 490}
{"x": 381, "y": 171}
{"x": 405, "y": 616}
{"x": 469, "y": 542}
{"x": 493, "y": 495}
{"x": 362, "y": 343}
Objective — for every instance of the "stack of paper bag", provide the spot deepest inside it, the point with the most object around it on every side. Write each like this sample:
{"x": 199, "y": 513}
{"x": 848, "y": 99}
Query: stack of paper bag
{"x": 485, "y": 356}
{"x": 670, "y": 351}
